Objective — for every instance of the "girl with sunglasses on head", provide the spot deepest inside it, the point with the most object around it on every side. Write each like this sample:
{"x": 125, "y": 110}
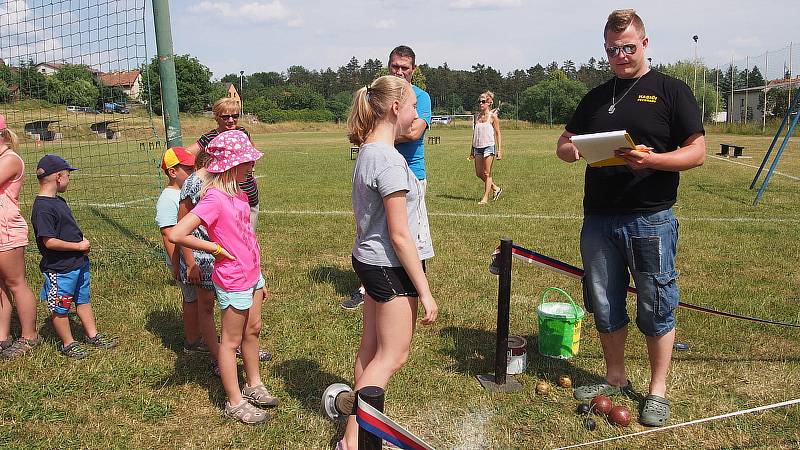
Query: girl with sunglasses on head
{"x": 487, "y": 145}
{"x": 226, "y": 112}
{"x": 13, "y": 239}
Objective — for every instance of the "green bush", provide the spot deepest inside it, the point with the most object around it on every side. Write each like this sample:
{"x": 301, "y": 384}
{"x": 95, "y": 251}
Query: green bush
{"x": 299, "y": 115}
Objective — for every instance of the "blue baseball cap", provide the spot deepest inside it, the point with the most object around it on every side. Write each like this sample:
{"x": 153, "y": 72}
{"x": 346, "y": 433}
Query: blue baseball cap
{"x": 50, "y": 164}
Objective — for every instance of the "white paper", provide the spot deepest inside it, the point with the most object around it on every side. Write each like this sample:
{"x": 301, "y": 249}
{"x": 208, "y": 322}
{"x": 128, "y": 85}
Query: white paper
{"x": 597, "y": 147}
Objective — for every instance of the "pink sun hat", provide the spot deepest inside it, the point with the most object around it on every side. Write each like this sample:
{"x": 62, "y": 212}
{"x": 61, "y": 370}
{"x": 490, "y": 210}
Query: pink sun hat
{"x": 229, "y": 149}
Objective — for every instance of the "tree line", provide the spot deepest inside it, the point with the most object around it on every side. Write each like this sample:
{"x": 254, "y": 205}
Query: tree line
{"x": 543, "y": 94}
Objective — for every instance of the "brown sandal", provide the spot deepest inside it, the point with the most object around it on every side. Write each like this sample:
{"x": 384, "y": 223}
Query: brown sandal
{"x": 246, "y": 413}
{"x": 20, "y": 346}
{"x": 259, "y": 396}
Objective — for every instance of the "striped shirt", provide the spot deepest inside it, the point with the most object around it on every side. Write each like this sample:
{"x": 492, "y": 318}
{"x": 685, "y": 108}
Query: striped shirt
{"x": 248, "y": 186}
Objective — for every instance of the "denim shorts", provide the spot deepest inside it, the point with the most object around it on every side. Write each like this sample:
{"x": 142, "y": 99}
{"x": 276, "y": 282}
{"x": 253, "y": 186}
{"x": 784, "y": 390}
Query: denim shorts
{"x": 61, "y": 290}
{"x": 188, "y": 291}
{"x": 241, "y": 300}
{"x": 485, "y": 151}
{"x": 616, "y": 247}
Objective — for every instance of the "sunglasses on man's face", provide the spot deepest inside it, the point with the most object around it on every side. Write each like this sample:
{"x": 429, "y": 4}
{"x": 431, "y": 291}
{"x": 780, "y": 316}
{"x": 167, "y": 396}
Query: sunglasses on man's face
{"x": 229, "y": 116}
{"x": 628, "y": 49}
{"x": 484, "y": 101}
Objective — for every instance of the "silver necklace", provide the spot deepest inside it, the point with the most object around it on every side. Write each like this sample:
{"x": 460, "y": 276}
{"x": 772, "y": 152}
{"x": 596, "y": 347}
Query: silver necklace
{"x": 614, "y": 101}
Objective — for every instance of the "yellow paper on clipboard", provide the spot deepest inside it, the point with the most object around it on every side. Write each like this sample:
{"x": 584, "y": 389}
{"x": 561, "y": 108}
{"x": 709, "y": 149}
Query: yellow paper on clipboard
{"x": 598, "y": 148}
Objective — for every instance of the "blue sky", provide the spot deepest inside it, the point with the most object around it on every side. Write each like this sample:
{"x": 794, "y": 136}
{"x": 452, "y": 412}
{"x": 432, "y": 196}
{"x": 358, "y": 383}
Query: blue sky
{"x": 271, "y": 35}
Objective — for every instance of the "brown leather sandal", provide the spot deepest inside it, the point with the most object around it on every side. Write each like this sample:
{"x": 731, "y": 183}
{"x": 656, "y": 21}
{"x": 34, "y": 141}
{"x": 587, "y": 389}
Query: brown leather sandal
{"x": 246, "y": 413}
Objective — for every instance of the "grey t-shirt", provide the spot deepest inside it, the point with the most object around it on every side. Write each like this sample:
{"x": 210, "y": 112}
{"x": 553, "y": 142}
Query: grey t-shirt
{"x": 380, "y": 170}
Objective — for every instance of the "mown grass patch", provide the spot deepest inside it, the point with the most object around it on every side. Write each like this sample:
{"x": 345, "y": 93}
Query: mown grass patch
{"x": 148, "y": 394}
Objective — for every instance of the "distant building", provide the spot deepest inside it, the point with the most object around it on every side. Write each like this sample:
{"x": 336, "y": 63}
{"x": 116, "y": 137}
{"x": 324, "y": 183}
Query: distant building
{"x": 233, "y": 93}
{"x": 747, "y": 105}
{"x": 47, "y": 68}
{"x": 129, "y": 81}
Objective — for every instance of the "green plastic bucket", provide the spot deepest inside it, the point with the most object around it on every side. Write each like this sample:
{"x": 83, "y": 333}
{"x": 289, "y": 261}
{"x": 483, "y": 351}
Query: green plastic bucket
{"x": 559, "y": 326}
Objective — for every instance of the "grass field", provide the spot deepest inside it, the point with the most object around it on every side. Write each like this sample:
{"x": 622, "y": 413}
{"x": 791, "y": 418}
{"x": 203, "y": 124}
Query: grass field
{"x": 148, "y": 394}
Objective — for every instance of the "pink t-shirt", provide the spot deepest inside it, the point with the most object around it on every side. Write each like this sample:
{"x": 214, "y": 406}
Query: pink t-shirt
{"x": 227, "y": 220}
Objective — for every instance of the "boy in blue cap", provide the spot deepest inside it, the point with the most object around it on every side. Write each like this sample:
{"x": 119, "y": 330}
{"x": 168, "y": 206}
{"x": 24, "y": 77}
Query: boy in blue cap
{"x": 65, "y": 264}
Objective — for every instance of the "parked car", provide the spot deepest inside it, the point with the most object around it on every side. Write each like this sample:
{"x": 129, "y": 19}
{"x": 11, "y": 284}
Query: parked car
{"x": 110, "y": 108}
{"x": 73, "y": 108}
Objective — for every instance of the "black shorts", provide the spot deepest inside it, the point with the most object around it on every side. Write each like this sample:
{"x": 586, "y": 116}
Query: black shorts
{"x": 384, "y": 283}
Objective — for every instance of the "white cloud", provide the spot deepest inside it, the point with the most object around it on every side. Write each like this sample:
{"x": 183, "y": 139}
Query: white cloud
{"x": 25, "y": 41}
{"x": 255, "y": 12}
{"x": 485, "y": 4}
{"x": 386, "y": 24}
{"x": 747, "y": 41}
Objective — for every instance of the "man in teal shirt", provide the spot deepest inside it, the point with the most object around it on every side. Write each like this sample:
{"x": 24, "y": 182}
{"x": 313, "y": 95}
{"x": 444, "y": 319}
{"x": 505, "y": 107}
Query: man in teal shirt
{"x": 402, "y": 63}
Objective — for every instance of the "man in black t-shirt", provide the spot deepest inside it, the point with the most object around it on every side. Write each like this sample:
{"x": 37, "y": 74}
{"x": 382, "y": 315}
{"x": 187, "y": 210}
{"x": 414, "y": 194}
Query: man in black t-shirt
{"x": 629, "y": 229}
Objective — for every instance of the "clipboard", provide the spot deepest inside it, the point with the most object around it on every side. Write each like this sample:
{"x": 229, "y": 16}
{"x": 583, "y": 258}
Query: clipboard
{"x": 598, "y": 148}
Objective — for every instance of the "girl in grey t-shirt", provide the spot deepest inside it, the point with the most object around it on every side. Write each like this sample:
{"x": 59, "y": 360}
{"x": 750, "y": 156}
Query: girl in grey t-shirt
{"x": 389, "y": 245}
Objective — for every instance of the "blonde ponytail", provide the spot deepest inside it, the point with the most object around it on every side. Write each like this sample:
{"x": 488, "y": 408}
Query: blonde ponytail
{"x": 370, "y": 104}
{"x": 11, "y": 139}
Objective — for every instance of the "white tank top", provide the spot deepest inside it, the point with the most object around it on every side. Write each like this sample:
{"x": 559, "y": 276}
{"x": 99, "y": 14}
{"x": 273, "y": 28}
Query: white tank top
{"x": 483, "y": 134}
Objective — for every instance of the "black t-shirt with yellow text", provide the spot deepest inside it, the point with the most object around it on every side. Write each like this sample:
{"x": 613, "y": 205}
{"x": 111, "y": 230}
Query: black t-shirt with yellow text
{"x": 659, "y": 112}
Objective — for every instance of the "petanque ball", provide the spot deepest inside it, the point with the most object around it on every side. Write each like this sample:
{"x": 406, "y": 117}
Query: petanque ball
{"x": 565, "y": 381}
{"x": 583, "y": 408}
{"x": 542, "y": 388}
{"x": 620, "y": 415}
{"x": 602, "y": 404}
{"x": 589, "y": 424}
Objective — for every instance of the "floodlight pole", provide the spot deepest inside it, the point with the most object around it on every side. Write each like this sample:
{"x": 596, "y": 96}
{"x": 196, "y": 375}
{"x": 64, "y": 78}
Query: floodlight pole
{"x": 166, "y": 72}
{"x": 703, "y": 113}
{"x": 729, "y": 118}
{"x": 241, "y": 91}
{"x": 716, "y": 99}
{"x": 746, "y": 85}
{"x": 766, "y": 82}
{"x": 694, "y": 83}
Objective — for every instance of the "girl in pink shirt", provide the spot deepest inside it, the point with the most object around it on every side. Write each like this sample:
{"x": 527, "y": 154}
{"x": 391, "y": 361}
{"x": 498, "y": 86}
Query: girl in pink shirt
{"x": 239, "y": 285}
{"x": 13, "y": 239}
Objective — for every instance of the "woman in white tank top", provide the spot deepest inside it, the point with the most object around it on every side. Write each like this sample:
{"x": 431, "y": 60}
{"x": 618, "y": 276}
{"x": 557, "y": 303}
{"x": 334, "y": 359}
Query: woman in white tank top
{"x": 486, "y": 146}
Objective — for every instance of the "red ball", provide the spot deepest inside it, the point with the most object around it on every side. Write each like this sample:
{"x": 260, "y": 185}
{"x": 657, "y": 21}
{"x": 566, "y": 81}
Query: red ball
{"x": 601, "y": 404}
{"x": 620, "y": 415}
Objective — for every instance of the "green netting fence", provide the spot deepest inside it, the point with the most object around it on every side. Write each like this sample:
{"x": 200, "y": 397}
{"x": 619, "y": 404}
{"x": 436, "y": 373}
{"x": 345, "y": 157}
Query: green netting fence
{"x": 71, "y": 83}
